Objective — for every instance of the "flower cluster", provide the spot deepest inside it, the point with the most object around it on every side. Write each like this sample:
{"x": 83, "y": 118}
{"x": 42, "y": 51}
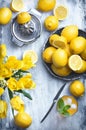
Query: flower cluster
{"x": 15, "y": 77}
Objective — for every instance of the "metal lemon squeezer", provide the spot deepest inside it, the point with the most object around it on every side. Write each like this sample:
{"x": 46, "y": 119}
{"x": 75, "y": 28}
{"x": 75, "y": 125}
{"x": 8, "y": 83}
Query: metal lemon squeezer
{"x": 28, "y": 32}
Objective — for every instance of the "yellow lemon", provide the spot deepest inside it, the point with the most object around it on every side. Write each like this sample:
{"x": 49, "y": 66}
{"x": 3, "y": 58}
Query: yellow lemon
{"x": 77, "y": 88}
{"x": 67, "y": 49}
{"x": 5, "y": 15}
{"x": 60, "y": 58}
{"x": 75, "y": 62}
{"x": 23, "y": 17}
{"x": 68, "y": 107}
{"x": 77, "y": 45}
{"x": 83, "y": 54}
{"x": 83, "y": 68}
{"x": 46, "y": 5}
{"x": 70, "y": 32}
{"x": 16, "y": 5}
{"x": 63, "y": 71}
{"x": 23, "y": 120}
{"x": 60, "y": 12}
{"x": 58, "y": 41}
{"x": 47, "y": 54}
{"x": 51, "y": 23}
{"x": 52, "y": 38}
{"x": 30, "y": 54}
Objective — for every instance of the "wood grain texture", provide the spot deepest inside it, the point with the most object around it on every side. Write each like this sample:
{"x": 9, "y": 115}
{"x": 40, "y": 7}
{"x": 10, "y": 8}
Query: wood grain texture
{"x": 47, "y": 85}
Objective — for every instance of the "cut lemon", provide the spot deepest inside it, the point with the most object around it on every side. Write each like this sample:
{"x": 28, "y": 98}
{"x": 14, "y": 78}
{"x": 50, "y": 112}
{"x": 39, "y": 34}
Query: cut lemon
{"x": 60, "y": 12}
{"x": 30, "y": 54}
{"x": 23, "y": 17}
{"x": 83, "y": 68}
{"x": 75, "y": 62}
{"x": 16, "y": 5}
{"x": 58, "y": 42}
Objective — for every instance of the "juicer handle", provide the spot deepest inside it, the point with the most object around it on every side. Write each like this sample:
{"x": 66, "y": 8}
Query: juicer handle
{"x": 35, "y": 12}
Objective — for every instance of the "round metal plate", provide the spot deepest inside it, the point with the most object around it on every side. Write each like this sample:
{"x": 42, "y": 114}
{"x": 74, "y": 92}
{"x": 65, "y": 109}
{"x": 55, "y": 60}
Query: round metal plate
{"x": 72, "y": 76}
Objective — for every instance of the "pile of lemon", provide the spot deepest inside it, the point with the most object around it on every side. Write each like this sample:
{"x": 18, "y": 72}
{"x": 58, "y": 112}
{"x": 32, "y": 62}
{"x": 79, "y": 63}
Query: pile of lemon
{"x": 67, "y": 52}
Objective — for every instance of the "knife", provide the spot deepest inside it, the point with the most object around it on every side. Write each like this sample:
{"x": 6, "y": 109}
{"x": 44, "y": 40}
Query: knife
{"x": 54, "y": 101}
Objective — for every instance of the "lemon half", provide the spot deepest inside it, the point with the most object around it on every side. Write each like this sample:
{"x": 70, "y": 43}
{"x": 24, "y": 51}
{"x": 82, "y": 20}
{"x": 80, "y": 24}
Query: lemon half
{"x": 60, "y": 12}
{"x": 30, "y": 54}
{"x": 16, "y": 5}
{"x": 75, "y": 62}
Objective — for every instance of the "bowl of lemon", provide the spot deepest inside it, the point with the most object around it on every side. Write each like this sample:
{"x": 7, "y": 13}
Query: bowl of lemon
{"x": 64, "y": 53}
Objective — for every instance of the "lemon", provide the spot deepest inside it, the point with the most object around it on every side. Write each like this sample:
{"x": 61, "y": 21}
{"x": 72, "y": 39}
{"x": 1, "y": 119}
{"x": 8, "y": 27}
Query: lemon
{"x": 83, "y": 68}
{"x": 51, "y": 23}
{"x": 46, "y": 5}
{"x": 30, "y": 54}
{"x": 77, "y": 45}
{"x": 52, "y": 38}
{"x": 47, "y": 54}
{"x": 77, "y": 88}
{"x": 60, "y": 58}
{"x": 5, "y": 15}
{"x": 23, "y": 17}
{"x": 67, "y": 49}
{"x": 58, "y": 41}
{"x": 83, "y": 54}
{"x": 63, "y": 71}
{"x": 75, "y": 62}
{"x": 16, "y": 5}
{"x": 60, "y": 12}
{"x": 23, "y": 120}
{"x": 68, "y": 107}
{"x": 70, "y": 32}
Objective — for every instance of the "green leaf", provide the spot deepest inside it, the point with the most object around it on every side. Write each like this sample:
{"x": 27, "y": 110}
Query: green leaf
{"x": 66, "y": 107}
{"x": 66, "y": 113}
{"x": 25, "y": 94}
{"x": 10, "y": 93}
{"x": 60, "y": 104}
{"x": 24, "y": 71}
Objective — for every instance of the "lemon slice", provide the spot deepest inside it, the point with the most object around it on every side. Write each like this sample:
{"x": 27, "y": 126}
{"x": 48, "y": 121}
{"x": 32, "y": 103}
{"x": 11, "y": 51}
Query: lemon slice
{"x": 30, "y": 54}
{"x": 75, "y": 62}
{"x": 60, "y": 12}
{"x": 16, "y": 5}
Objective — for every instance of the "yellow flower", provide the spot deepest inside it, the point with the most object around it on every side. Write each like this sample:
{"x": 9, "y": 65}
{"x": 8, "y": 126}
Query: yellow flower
{"x": 27, "y": 64}
{"x": 19, "y": 85}
{"x": 2, "y": 51}
{"x": 1, "y": 91}
{"x": 17, "y": 103}
{"x": 3, "y": 109}
{"x": 4, "y": 71}
{"x": 27, "y": 82}
{"x": 13, "y": 63}
{"x": 13, "y": 84}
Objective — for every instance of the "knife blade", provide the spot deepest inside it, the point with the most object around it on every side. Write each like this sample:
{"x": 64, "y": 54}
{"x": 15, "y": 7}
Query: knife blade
{"x": 54, "y": 101}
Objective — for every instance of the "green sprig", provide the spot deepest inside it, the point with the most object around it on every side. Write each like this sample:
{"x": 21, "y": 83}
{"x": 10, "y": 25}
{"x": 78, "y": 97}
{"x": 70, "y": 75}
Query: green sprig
{"x": 62, "y": 108}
